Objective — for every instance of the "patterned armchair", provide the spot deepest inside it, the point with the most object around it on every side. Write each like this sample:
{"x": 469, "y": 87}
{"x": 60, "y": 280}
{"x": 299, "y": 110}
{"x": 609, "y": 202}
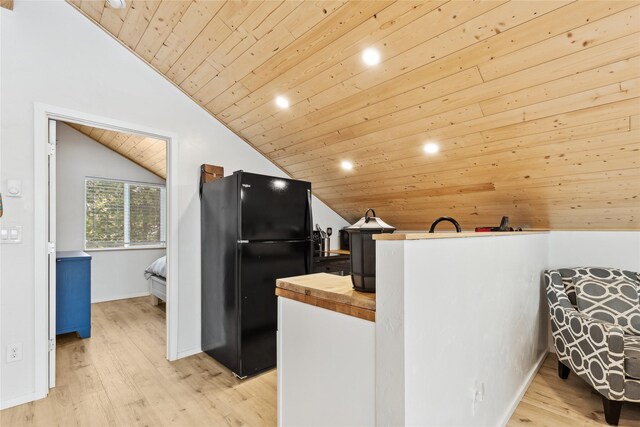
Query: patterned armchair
{"x": 600, "y": 353}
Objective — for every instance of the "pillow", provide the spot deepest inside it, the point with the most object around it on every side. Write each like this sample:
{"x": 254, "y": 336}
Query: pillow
{"x": 157, "y": 267}
{"x": 610, "y": 300}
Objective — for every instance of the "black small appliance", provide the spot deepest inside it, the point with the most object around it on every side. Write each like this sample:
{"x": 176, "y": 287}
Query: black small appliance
{"x": 343, "y": 238}
{"x": 363, "y": 250}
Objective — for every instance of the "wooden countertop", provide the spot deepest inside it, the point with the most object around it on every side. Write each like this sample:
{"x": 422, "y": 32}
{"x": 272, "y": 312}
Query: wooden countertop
{"x": 337, "y": 251}
{"x": 329, "y": 291}
{"x": 424, "y": 235}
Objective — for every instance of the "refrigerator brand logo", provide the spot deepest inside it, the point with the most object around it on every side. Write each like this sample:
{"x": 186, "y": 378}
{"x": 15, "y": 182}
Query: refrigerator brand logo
{"x": 246, "y": 185}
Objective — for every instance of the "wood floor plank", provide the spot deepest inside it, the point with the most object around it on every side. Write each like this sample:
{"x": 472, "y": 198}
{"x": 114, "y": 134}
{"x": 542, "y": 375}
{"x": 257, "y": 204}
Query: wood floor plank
{"x": 553, "y": 402}
{"x": 120, "y": 377}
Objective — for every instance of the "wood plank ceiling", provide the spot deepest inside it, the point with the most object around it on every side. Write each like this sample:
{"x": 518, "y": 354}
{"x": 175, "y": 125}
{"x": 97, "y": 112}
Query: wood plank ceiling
{"x": 534, "y": 104}
{"x": 150, "y": 153}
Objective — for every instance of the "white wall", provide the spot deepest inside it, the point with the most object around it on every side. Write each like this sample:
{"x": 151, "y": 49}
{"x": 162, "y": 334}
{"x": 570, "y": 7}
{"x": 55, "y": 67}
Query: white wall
{"x": 617, "y": 249}
{"x": 115, "y": 274}
{"x": 54, "y": 55}
{"x": 473, "y": 318}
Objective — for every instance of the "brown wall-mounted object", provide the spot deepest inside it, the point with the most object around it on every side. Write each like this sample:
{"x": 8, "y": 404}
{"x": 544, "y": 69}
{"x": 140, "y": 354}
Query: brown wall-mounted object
{"x": 210, "y": 173}
{"x": 7, "y": 4}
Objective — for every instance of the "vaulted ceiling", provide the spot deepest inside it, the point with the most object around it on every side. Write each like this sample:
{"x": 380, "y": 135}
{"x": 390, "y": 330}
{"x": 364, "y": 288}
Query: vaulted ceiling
{"x": 534, "y": 104}
{"x": 150, "y": 153}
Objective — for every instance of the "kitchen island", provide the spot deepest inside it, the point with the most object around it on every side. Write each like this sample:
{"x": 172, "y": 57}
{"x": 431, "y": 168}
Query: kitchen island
{"x": 326, "y": 352}
{"x": 455, "y": 332}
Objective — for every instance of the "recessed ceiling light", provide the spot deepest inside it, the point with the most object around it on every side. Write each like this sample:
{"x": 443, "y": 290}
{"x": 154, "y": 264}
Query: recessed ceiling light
{"x": 371, "y": 56}
{"x": 431, "y": 148}
{"x": 282, "y": 102}
{"x": 346, "y": 165}
{"x": 117, "y": 4}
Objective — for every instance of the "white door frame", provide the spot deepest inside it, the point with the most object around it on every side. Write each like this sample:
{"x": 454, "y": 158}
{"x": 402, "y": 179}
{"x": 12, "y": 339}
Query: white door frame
{"x": 42, "y": 114}
{"x": 51, "y": 247}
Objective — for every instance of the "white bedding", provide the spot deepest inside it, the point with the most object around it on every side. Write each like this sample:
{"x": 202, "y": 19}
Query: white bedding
{"x": 157, "y": 268}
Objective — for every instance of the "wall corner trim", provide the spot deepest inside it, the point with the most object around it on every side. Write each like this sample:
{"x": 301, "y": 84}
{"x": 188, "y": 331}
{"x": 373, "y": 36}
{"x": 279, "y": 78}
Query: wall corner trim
{"x": 190, "y": 352}
{"x": 20, "y": 400}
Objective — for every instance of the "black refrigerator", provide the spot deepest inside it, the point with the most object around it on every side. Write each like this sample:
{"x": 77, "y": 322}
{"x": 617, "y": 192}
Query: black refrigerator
{"x": 254, "y": 230}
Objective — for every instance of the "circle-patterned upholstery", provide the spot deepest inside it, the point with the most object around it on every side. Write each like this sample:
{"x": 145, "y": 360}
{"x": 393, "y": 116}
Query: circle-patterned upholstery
{"x": 593, "y": 349}
{"x": 568, "y": 274}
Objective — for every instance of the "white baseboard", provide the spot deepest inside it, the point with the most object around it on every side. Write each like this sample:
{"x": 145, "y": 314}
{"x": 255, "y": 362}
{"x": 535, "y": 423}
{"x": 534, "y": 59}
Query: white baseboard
{"x": 21, "y": 400}
{"x": 189, "y": 352}
{"x": 523, "y": 389}
{"x": 118, "y": 297}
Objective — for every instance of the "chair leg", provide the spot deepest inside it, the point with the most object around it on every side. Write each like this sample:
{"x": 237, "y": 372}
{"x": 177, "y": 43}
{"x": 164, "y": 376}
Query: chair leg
{"x": 563, "y": 371}
{"x": 611, "y": 410}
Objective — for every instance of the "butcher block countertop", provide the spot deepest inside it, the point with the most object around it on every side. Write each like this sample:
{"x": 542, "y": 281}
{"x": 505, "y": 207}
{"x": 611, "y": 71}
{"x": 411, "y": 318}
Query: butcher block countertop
{"x": 449, "y": 235}
{"x": 330, "y": 292}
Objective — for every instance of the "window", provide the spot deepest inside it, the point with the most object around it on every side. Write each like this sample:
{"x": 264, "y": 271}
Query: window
{"x": 122, "y": 214}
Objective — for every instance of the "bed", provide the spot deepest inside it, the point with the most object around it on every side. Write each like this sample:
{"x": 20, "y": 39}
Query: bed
{"x": 156, "y": 273}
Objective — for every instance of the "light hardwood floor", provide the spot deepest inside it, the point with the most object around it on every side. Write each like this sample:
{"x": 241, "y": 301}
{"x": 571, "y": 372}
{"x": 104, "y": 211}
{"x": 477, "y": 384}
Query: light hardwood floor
{"x": 553, "y": 402}
{"x": 119, "y": 377}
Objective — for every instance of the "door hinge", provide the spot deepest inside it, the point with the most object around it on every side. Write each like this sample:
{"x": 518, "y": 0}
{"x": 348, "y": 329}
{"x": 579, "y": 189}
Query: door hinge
{"x": 52, "y": 344}
{"x": 51, "y": 149}
{"x": 51, "y": 247}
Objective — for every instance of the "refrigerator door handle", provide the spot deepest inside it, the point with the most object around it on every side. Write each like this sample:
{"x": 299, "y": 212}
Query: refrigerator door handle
{"x": 308, "y": 254}
{"x": 310, "y": 214}
{"x": 309, "y": 257}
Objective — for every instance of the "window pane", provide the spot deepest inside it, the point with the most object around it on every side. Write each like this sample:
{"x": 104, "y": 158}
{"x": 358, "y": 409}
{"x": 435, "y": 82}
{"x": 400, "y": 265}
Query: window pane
{"x": 144, "y": 215}
{"x": 104, "y": 226}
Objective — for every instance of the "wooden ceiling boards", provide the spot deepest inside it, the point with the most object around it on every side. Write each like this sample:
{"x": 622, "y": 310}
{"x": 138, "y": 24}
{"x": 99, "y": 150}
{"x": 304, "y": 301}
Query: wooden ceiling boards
{"x": 150, "y": 153}
{"x": 534, "y": 104}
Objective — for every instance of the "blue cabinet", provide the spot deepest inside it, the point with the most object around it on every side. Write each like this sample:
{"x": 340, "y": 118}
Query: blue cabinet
{"x": 73, "y": 293}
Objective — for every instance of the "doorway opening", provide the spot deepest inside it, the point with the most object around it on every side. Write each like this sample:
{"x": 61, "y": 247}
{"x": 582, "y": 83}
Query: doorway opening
{"x": 110, "y": 199}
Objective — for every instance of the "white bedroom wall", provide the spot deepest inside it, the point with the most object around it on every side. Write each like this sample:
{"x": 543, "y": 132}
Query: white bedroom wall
{"x": 53, "y": 55}
{"x": 115, "y": 274}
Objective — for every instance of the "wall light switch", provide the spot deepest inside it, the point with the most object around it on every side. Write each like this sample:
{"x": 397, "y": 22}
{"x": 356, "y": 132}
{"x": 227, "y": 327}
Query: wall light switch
{"x": 12, "y": 234}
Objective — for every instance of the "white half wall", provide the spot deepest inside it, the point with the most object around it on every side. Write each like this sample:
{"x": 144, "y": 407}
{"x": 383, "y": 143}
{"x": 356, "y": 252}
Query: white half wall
{"x": 115, "y": 274}
{"x": 472, "y": 325}
{"x": 53, "y": 55}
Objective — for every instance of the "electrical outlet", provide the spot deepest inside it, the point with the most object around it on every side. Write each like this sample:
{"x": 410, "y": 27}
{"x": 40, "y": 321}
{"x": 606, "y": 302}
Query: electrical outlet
{"x": 14, "y": 352}
{"x": 477, "y": 396}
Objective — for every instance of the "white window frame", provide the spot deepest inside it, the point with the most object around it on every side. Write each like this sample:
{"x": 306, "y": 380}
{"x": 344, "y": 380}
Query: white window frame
{"x": 127, "y": 230}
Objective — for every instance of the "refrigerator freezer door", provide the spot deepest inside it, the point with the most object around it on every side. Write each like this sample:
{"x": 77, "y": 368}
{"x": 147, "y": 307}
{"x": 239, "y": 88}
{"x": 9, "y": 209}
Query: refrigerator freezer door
{"x": 260, "y": 265}
{"x": 274, "y": 208}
